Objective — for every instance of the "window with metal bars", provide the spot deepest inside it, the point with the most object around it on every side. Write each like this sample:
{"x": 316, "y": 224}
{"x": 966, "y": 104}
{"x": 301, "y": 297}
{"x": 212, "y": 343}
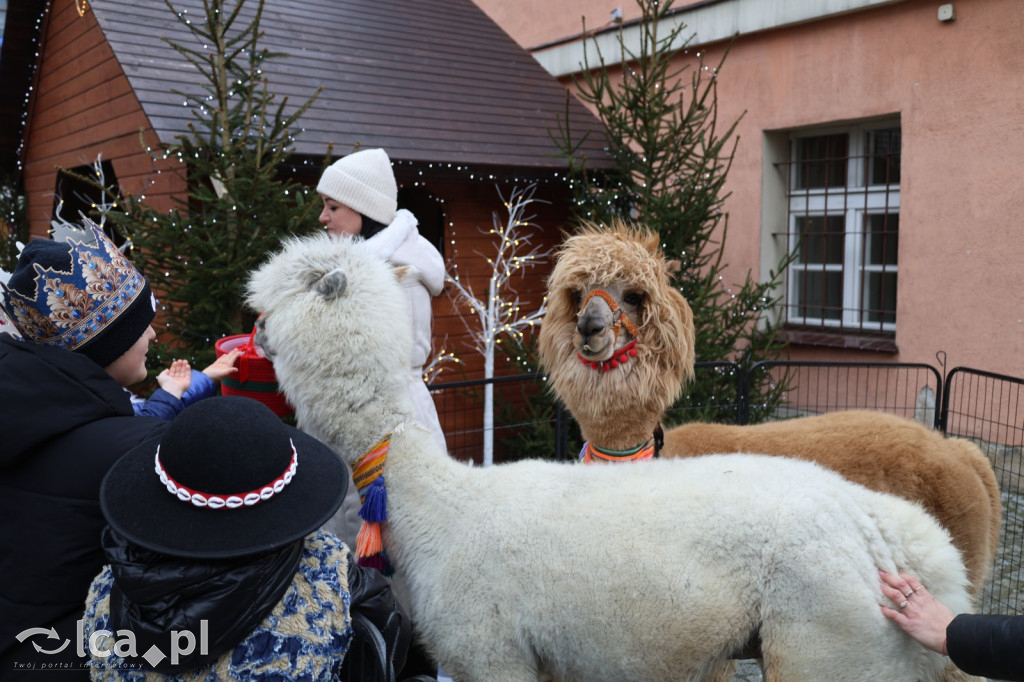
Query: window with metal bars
{"x": 843, "y": 193}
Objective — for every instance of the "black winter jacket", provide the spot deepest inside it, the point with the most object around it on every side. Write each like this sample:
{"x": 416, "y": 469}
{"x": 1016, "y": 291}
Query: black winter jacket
{"x": 152, "y": 594}
{"x": 63, "y": 422}
{"x": 987, "y": 645}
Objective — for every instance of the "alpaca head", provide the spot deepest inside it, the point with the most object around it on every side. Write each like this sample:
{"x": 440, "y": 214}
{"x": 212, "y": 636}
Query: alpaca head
{"x": 334, "y": 320}
{"x": 609, "y": 287}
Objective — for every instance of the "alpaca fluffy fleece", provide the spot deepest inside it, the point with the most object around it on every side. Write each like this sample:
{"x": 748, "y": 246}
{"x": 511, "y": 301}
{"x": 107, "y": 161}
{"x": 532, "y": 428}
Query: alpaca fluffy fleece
{"x": 655, "y": 571}
{"x": 950, "y": 477}
{"x": 619, "y": 409}
{"x": 596, "y": 258}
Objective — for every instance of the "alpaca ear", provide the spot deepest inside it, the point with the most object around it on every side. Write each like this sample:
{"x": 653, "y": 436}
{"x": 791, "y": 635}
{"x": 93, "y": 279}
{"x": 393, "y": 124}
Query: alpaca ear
{"x": 332, "y": 284}
{"x": 672, "y": 267}
{"x": 401, "y": 271}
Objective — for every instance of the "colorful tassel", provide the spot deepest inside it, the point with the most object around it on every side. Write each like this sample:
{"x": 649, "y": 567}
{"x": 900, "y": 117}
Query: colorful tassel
{"x": 375, "y": 502}
{"x": 368, "y": 541}
{"x": 368, "y": 476}
{"x": 377, "y": 561}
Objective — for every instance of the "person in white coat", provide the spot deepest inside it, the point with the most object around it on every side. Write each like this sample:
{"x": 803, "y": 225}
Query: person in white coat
{"x": 360, "y": 198}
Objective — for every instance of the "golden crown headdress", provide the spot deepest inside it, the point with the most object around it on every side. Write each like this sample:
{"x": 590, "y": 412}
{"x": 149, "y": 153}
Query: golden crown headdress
{"x": 65, "y": 294}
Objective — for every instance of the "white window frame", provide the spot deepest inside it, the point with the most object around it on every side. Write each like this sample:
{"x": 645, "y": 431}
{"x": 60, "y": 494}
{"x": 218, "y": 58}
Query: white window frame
{"x": 855, "y": 201}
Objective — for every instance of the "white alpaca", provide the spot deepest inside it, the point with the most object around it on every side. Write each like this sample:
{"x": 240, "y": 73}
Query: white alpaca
{"x": 655, "y": 571}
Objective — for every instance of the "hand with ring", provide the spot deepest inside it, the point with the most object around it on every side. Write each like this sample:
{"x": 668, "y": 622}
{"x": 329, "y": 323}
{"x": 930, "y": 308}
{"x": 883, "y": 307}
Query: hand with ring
{"x": 920, "y": 614}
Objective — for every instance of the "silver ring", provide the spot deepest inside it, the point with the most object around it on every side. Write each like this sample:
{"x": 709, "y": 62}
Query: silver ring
{"x": 908, "y": 593}
{"x": 902, "y": 604}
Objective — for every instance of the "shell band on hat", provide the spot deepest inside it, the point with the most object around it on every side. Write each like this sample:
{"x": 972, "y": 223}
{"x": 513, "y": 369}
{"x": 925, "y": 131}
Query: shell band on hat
{"x": 227, "y": 500}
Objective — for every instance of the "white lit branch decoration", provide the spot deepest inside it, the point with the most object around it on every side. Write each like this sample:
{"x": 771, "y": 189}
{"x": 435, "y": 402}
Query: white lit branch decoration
{"x": 439, "y": 363}
{"x": 499, "y": 314}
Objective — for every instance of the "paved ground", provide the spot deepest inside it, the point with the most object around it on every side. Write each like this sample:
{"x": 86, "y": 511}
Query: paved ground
{"x": 748, "y": 671}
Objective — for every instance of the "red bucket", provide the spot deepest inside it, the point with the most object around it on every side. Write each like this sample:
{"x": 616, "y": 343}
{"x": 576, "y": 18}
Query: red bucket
{"x": 255, "y": 378}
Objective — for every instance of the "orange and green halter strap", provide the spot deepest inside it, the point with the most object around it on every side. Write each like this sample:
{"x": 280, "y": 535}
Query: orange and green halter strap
{"x": 591, "y": 453}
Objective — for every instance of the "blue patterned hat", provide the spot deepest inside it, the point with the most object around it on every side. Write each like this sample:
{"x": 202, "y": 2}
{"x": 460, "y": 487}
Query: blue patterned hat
{"x": 79, "y": 296}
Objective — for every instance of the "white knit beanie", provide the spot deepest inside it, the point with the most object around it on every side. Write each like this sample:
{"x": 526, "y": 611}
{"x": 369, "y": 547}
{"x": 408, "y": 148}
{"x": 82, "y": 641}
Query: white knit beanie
{"x": 364, "y": 182}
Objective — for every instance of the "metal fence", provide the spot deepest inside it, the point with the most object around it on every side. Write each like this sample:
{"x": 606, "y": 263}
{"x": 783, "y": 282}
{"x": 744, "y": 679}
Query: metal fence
{"x": 981, "y": 406}
{"x": 987, "y": 409}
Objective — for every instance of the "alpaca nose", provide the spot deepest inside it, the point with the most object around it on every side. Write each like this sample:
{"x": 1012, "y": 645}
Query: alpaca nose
{"x": 260, "y": 338}
{"x": 595, "y": 318}
{"x": 589, "y": 325}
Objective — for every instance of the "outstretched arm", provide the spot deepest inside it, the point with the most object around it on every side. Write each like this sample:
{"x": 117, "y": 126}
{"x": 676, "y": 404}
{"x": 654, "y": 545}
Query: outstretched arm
{"x": 223, "y": 366}
{"x": 987, "y": 645}
{"x": 984, "y": 645}
{"x": 920, "y": 614}
{"x": 176, "y": 379}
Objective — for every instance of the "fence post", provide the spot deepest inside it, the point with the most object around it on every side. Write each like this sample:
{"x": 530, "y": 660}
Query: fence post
{"x": 742, "y": 397}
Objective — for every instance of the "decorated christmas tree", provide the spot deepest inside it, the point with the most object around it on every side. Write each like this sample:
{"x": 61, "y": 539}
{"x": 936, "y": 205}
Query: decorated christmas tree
{"x": 239, "y": 204}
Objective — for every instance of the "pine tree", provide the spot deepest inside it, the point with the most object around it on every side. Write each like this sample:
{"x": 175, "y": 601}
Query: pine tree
{"x": 239, "y": 205}
{"x": 671, "y": 159}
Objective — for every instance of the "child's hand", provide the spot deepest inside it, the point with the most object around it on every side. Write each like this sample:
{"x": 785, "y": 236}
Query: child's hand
{"x": 176, "y": 379}
{"x": 224, "y": 366}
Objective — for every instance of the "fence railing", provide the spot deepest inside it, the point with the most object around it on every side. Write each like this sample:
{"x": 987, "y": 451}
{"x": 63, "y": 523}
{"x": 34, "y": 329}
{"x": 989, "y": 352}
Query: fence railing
{"x": 987, "y": 409}
{"x": 981, "y": 406}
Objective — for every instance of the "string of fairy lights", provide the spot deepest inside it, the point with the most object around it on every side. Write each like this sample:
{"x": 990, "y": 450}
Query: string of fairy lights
{"x": 505, "y": 312}
{"x": 497, "y": 316}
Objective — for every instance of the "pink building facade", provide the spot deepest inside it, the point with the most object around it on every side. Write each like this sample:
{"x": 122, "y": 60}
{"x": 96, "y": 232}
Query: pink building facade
{"x": 882, "y": 138}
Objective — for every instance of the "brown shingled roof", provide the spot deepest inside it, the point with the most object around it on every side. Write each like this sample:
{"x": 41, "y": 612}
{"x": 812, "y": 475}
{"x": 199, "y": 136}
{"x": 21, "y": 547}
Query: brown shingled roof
{"x": 428, "y": 80}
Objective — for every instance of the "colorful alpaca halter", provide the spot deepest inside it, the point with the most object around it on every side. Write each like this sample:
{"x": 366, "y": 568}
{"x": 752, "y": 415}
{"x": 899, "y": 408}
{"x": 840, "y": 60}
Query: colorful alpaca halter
{"x": 368, "y": 477}
{"x": 622, "y": 355}
{"x": 619, "y": 357}
{"x": 621, "y": 321}
{"x": 646, "y": 450}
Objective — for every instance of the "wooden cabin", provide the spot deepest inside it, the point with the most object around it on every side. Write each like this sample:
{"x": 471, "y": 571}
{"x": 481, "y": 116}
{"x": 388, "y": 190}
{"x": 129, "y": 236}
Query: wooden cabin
{"x": 461, "y": 109}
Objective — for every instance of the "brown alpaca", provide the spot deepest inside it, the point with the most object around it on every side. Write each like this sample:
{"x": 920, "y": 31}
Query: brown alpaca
{"x": 618, "y": 407}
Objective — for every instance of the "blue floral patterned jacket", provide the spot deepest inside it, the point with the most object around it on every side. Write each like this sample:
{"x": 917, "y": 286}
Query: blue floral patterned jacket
{"x": 304, "y": 637}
